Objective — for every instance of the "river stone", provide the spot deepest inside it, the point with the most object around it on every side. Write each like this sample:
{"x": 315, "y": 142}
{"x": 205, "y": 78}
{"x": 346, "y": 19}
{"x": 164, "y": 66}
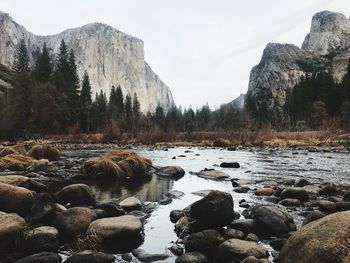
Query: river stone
{"x": 192, "y": 257}
{"x": 329, "y": 189}
{"x": 245, "y": 225}
{"x": 112, "y": 208}
{"x": 215, "y": 209}
{"x": 264, "y": 191}
{"x": 205, "y": 242}
{"x": 182, "y": 224}
{"x": 116, "y": 227}
{"x": 43, "y": 230}
{"x": 230, "y": 165}
{"x": 143, "y": 256}
{"x": 343, "y": 206}
{"x": 42, "y": 209}
{"x": 130, "y": 204}
{"x": 234, "y": 249}
{"x": 75, "y": 194}
{"x": 10, "y": 225}
{"x": 234, "y": 233}
{"x": 74, "y": 221}
{"x": 90, "y": 257}
{"x": 43, "y": 257}
{"x": 295, "y": 193}
{"x": 290, "y": 202}
{"x": 346, "y": 197}
{"x": 312, "y": 216}
{"x": 323, "y": 241}
{"x": 175, "y": 172}
{"x": 39, "y": 242}
{"x": 252, "y": 259}
{"x": 302, "y": 182}
{"x": 15, "y": 199}
{"x": 175, "y": 215}
{"x": 272, "y": 220}
{"x": 311, "y": 189}
{"x": 325, "y": 205}
{"x": 213, "y": 175}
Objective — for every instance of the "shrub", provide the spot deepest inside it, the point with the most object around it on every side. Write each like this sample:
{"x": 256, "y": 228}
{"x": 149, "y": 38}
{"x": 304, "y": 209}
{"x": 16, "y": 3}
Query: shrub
{"x": 116, "y": 164}
{"x": 221, "y": 142}
{"x": 16, "y": 162}
{"x": 45, "y": 151}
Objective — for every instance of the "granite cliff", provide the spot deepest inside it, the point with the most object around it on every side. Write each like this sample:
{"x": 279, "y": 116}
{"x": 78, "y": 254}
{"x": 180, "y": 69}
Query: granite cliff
{"x": 110, "y": 57}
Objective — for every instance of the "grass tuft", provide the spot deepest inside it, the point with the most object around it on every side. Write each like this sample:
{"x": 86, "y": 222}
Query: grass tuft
{"x": 16, "y": 162}
{"x": 45, "y": 151}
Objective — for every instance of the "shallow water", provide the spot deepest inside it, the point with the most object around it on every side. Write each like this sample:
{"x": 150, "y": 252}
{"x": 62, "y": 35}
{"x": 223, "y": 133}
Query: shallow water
{"x": 256, "y": 166}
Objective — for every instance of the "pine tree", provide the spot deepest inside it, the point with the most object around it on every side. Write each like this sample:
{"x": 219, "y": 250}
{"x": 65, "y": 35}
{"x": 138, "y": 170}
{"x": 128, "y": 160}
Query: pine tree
{"x": 85, "y": 103}
{"x": 112, "y": 104}
{"x": 43, "y": 66}
{"x": 136, "y": 114}
{"x": 21, "y": 63}
{"x": 62, "y": 58}
{"x": 119, "y": 100}
{"x": 128, "y": 112}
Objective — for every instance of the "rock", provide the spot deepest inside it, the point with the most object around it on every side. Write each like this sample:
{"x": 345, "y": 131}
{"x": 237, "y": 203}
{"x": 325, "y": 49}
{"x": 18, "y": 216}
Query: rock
{"x": 272, "y": 199}
{"x": 234, "y": 183}
{"x": 329, "y": 189}
{"x": 175, "y": 194}
{"x": 42, "y": 209}
{"x": 230, "y": 165}
{"x": 192, "y": 257}
{"x": 74, "y": 221}
{"x": 252, "y": 237}
{"x": 295, "y": 193}
{"x": 312, "y": 216}
{"x": 130, "y": 204}
{"x": 205, "y": 242}
{"x": 325, "y": 205}
{"x": 15, "y": 199}
{"x": 175, "y": 172}
{"x": 215, "y": 209}
{"x": 322, "y": 241}
{"x": 182, "y": 224}
{"x": 76, "y": 194}
{"x": 245, "y": 225}
{"x": 176, "y": 249}
{"x": 234, "y": 249}
{"x": 252, "y": 259}
{"x": 43, "y": 257}
{"x": 139, "y": 214}
{"x": 43, "y": 230}
{"x": 39, "y": 242}
{"x": 343, "y": 206}
{"x": 22, "y": 181}
{"x": 234, "y": 233}
{"x": 175, "y": 215}
{"x": 116, "y": 228}
{"x": 290, "y": 202}
{"x": 278, "y": 243}
{"x": 242, "y": 189}
{"x": 127, "y": 257}
{"x": 272, "y": 220}
{"x": 302, "y": 182}
{"x": 311, "y": 189}
{"x": 165, "y": 201}
{"x": 112, "y": 209}
{"x": 346, "y": 197}
{"x": 264, "y": 191}
{"x": 10, "y": 225}
{"x": 43, "y": 165}
{"x": 213, "y": 175}
{"x": 143, "y": 256}
{"x": 90, "y": 257}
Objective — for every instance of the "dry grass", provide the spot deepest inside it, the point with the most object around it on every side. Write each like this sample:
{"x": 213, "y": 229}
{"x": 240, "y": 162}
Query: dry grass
{"x": 16, "y": 162}
{"x": 45, "y": 151}
{"x": 89, "y": 242}
{"x": 6, "y": 151}
{"x": 116, "y": 164}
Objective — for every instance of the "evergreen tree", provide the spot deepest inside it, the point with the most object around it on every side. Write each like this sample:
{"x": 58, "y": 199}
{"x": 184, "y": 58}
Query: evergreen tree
{"x": 112, "y": 104}
{"x": 119, "y": 100}
{"x": 136, "y": 113}
{"x": 21, "y": 63}
{"x": 128, "y": 112}
{"x": 85, "y": 102}
{"x": 43, "y": 66}
{"x": 63, "y": 58}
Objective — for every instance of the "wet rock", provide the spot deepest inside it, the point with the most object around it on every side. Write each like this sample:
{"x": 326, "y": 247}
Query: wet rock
{"x": 165, "y": 201}
{"x": 202, "y": 193}
{"x": 43, "y": 257}
{"x": 289, "y": 182}
{"x": 76, "y": 194}
{"x": 215, "y": 209}
{"x": 312, "y": 216}
{"x": 252, "y": 237}
{"x": 311, "y": 189}
{"x": 230, "y": 165}
{"x": 176, "y": 249}
{"x": 264, "y": 191}
{"x": 90, "y": 257}
{"x": 252, "y": 259}
{"x": 295, "y": 193}
{"x": 127, "y": 257}
{"x": 43, "y": 230}
{"x": 290, "y": 202}
{"x": 74, "y": 221}
{"x": 325, "y": 205}
{"x": 15, "y": 199}
{"x": 42, "y": 209}
{"x": 10, "y": 225}
{"x": 139, "y": 214}
{"x": 143, "y": 256}
{"x": 40, "y": 242}
{"x": 175, "y": 194}
{"x": 234, "y": 249}
{"x": 205, "y": 242}
{"x": 242, "y": 189}
{"x": 329, "y": 189}
{"x": 192, "y": 257}
{"x": 175, "y": 215}
{"x": 116, "y": 228}
{"x": 244, "y": 205}
{"x": 23, "y": 181}
{"x": 234, "y": 183}
{"x": 130, "y": 204}
{"x": 175, "y": 172}
{"x": 346, "y": 197}
{"x": 245, "y": 225}
{"x": 59, "y": 207}
{"x": 302, "y": 182}
{"x": 182, "y": 224}
{"x": 278, "y": 243}
{"x": 322, "y": 241}
{"x": 272, "y": 220}
{"x": 343, "y": 206}
{"x": 112, "y": 208}
{"x": 272, "y": 199}
{"x": 213, "y": 175}
{"x": 233, "y": 233}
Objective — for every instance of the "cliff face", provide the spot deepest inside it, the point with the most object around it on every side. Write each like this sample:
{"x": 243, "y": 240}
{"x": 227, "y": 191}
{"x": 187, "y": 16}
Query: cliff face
{"x": 110, "y": 57}
{"x": 280, "y": 68}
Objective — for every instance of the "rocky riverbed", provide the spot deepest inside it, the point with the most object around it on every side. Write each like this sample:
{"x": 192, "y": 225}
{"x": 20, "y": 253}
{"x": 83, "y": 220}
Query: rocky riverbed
{"x": 214, "y": 205}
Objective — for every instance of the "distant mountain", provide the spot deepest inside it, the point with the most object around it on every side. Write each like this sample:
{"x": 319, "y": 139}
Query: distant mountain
{"x": 109, "y": 56}
{"x": 283, "y": 65}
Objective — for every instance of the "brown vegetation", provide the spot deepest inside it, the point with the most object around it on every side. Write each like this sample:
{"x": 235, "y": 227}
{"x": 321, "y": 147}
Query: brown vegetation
{"x": 16, "y": 162}
{"x": 6, "y": 151}
{"x": 45, "y": 151}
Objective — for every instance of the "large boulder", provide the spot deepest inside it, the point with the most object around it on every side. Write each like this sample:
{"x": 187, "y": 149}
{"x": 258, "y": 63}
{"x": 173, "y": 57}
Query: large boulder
{"x": 325, "y": 240}
{"x": 10, "y": 225}
{"x": 215, "y": 209}
{"x": 15, "y": 199}
{"x": 130, "y": 204}
{"x": 174, "y": 172}
{"x": 74, "y": 221}
{"x": 236, "y": 249}
{"x": 43, "y": 257}
{"x": 90, "y": 257}
{"x": 42, "y": 209}
{"x": 39, "y": 242}
{"x": 295, "y": 193}
{"x": 205, "y": 242}
{"x": 272, "y": 220}
{"x": 76, "y": 194}
{"x": 23, "y": 181}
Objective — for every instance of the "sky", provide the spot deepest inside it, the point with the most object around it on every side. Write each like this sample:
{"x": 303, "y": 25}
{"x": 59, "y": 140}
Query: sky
{"x": 202, "y": 49}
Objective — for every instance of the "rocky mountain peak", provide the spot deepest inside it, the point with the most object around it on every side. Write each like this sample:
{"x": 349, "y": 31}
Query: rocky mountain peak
{"x": 329, "y": 32}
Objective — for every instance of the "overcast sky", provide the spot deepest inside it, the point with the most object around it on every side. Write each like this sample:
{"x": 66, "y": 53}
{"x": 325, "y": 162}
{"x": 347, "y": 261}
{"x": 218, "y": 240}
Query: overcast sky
{"x": 203, "y": 49}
